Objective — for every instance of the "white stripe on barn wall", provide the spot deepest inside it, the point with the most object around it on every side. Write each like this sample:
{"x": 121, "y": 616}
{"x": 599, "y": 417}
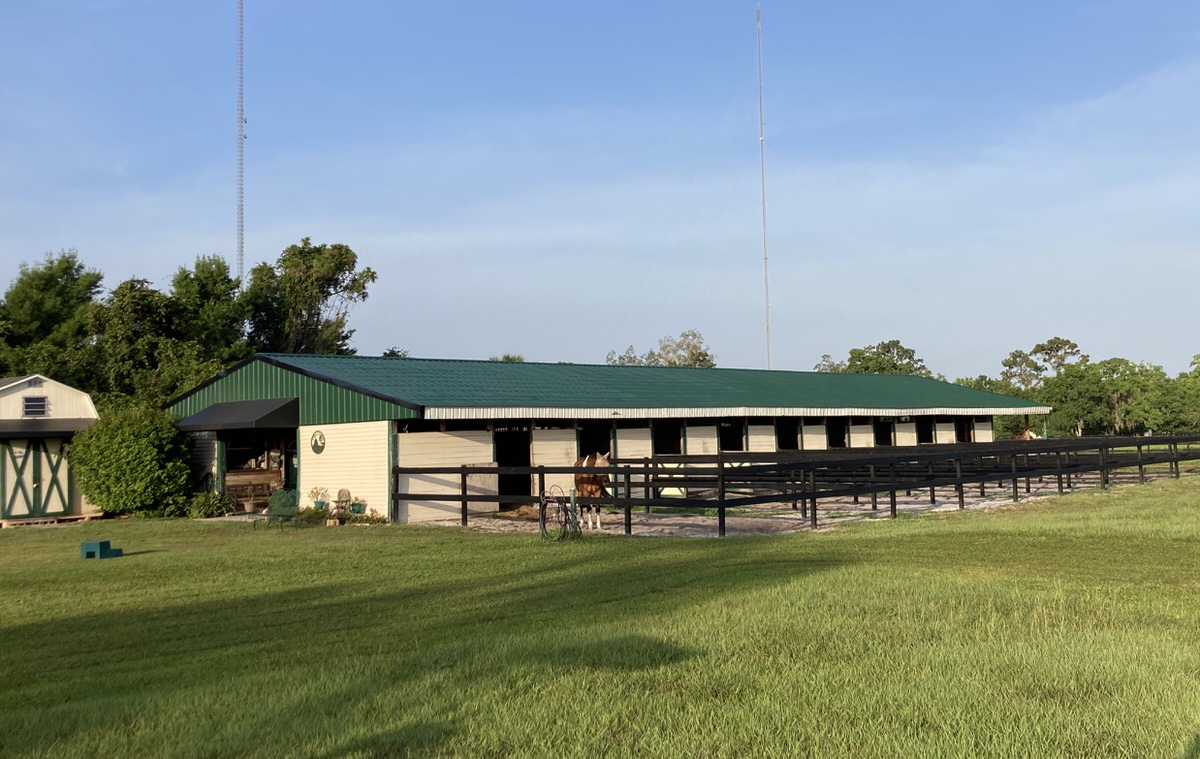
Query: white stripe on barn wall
{"x": 812, "y": 438}
{"x": 760, "y": 438}
{"x": 555, "y": 448}
{"x": 438, "y": 449}
{"x": 700, "y": 441}
{"x": 983, "y": 432}
{"x": 355, "y": 458}
{"x": 862, "y": 436}
{"x": 944, "y": 433}
{"x": 906, "y": 433}
{"x": 634, "y": 443}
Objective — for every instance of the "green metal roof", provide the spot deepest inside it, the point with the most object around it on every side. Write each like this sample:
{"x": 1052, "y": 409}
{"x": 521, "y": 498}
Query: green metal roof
{"x": 455, "y": 389}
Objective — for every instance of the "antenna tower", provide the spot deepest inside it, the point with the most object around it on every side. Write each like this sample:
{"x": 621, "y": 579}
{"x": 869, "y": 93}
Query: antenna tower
{"x": 762, "y": 162}
{"x": 241, "y": 138}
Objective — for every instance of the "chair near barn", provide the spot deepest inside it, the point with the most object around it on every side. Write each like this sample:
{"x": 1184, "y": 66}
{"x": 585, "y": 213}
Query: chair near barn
{"x": 343, "y": 501}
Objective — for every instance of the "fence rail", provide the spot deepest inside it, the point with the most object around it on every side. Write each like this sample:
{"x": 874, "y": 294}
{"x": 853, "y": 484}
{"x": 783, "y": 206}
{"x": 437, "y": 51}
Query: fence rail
{"x": 801, "y": 479}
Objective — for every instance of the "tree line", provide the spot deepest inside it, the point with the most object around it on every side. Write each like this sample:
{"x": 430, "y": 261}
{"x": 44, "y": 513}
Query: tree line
{"x": 1114, "y": 396}
{"x": 138, "y": 344}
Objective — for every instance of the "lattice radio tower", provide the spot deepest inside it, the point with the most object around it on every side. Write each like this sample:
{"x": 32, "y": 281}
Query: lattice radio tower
{"x": 762, "y": 163}
{"x": 241, "y": 139}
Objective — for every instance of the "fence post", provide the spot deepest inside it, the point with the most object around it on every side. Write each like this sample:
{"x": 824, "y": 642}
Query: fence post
{"x": 892, "y": 483}
{"x": 1026, "y": 456}
{"x": 812, "y": 498}
{"x": 463, "y": 483}
{"x": 874, "y": 495}
{"x": 395, "y": 510}
{"x": 1103, "y": 468}
{"x": 982, "y": 484}
{"x": 1058, "y": 470}
{"x": 1141, "y": 467}
{"x": 1175, "y": 457}
{"x": 1069, "y": 485}
{"x": 646, "y": 482}
{"x": 932, "y": 490}
{"x": 628, "y": 504}
{"x": 803, "y": 493}
{"x": 720, "y": 496}
{"x": 541, "y": 480}
{"x": 1014, "y": 477}
{"x": 958, "y": 486}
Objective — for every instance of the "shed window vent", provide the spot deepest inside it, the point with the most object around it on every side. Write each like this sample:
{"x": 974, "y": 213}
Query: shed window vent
{"x": 35, "y": 382}
{"x": 36, "y": 405}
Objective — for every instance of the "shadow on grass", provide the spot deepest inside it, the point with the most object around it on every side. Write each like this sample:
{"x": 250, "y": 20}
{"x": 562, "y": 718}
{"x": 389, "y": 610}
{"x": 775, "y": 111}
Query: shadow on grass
{"x": 1193, "y": 749}
{"x": 358, "y": 651}
{"x": 413, "y": 739}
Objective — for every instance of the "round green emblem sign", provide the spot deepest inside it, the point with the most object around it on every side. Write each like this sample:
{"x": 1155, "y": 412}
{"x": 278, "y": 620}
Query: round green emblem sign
{"x": 317, "y": 441}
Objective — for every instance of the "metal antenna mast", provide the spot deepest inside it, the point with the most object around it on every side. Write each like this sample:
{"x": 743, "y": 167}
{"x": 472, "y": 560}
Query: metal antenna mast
{"x": 241, "y": 138}
{"x": 762, "y": 162}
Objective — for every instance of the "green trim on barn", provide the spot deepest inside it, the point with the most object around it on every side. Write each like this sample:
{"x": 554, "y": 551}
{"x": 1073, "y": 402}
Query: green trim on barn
{"x": 322, "y": 400}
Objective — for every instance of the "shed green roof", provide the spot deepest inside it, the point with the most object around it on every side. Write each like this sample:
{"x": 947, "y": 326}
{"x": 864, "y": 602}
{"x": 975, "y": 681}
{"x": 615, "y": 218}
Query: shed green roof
{"x": 459, "y": 389}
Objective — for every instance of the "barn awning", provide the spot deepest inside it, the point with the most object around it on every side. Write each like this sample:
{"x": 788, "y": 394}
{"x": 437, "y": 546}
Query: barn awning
{"x": 61, "y": 427}
{"x": 267, "y": 414}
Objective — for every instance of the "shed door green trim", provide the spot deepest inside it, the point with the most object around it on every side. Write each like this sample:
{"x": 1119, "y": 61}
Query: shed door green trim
{"x": 34, "y": 479}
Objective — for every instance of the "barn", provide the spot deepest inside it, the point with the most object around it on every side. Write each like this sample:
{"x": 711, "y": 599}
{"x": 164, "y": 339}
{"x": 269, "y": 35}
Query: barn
{"x": 342, "y": 422}
{"x": 38, "y": 417}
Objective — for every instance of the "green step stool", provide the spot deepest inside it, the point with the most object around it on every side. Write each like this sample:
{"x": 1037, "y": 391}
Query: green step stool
{"x": 97, "y": 549}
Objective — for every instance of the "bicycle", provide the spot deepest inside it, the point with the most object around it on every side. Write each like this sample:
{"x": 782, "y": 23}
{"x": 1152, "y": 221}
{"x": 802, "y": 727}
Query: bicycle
{"x": 558, "y": 518}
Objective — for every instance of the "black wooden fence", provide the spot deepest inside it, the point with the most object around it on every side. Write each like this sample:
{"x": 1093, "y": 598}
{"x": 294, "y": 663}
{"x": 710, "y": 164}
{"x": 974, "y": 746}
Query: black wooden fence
{"x": 802, "y": 479}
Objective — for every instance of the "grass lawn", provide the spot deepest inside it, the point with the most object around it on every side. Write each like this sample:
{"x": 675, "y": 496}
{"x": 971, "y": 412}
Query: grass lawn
{"x": 1066, "y": 628}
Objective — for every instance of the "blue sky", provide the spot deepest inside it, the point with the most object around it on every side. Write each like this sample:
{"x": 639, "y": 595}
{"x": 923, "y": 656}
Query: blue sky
{"x": 560, "y": 180}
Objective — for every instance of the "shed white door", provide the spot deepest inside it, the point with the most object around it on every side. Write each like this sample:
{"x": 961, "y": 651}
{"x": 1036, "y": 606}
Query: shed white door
{"x": 34, "y": 479}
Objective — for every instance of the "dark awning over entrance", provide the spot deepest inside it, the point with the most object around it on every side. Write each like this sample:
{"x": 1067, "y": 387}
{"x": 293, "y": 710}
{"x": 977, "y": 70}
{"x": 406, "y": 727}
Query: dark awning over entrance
{"x": 269, "y": 414}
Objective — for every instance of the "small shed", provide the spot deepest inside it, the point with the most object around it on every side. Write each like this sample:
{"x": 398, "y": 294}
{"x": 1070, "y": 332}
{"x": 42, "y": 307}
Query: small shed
{"x": 335, "y": 422}
{"x": 38, "y": 417}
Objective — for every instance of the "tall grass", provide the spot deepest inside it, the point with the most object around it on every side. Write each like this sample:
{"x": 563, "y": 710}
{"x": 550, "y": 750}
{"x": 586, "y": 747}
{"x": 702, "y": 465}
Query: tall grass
{"x": 1067, "y": 628}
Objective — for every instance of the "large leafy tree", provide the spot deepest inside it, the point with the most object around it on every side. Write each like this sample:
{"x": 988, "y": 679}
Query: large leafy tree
{"x": 300, "y": 304}
{"x": 689, "y": 349}
{"x": 142, "y": 351}
{"x": 1056, "y": 352}
{"x": 888, "y": 357}
{"x": 43, "y": 320}
{"x": 1021, "y": 370}
{"x": 208, "y": 310}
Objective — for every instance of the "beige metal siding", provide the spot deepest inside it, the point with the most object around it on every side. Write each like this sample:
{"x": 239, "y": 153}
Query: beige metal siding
{"x": 906, "y": 433}
{"x": 555, "y": 448}
{"x": 761, "y": 439}
{"x": 861, "y": 436}
{"x": 984, "y": 433}
{"x": 700, "y": 441}
{"x": 634, "y": 443}
{"x": 812, "y": 438}
{"x": 943, "y": 432}
{"x": 435, "y": 449}
{"x": 355, "y": 458}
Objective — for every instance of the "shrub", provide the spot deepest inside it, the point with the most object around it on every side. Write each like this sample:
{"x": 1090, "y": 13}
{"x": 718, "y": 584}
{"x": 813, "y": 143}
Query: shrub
{"x": 133, "y": 460}
{"x": 282, "y": 498}
{"x": 206, "y": 505}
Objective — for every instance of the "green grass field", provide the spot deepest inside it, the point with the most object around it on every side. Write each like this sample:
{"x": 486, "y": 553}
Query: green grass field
{"x": 1067, "y": 628}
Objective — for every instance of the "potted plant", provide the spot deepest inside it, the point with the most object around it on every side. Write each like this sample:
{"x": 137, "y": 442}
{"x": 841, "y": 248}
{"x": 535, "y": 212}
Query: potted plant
{"x": 357, "y": 506}
{"x": 319, "y": 496}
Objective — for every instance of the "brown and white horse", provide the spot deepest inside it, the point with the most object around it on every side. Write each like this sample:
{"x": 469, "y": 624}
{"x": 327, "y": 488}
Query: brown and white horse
{"x": 592, "y": 485}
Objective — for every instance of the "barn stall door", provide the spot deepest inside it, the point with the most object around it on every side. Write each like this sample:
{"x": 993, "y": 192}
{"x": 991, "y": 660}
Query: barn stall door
{"x": 33, "y": 479}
